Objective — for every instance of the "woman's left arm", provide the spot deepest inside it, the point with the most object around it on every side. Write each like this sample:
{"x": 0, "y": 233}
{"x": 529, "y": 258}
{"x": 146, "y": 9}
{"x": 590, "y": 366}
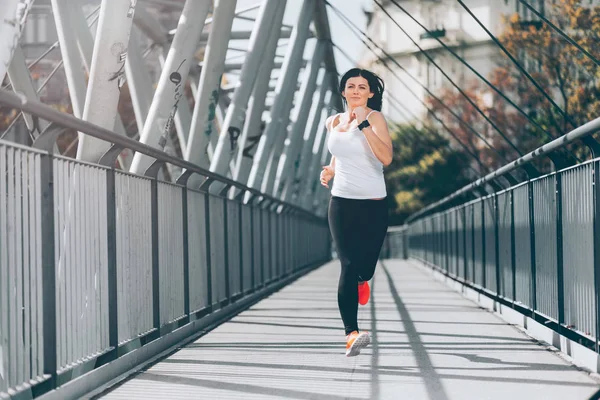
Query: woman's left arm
{"x": 379, "y": 139}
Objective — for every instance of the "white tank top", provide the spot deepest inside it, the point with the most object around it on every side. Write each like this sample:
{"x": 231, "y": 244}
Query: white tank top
{"x": 358, "y": 173}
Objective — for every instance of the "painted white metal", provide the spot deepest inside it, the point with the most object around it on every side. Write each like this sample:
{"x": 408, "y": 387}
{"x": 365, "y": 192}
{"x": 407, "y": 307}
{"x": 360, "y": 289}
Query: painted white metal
{"x": 13, "y": 14}
{"x": 253, "y": 126}
{"x": 70, "y": 54}
{"x": 21, "y": 81}
{"x": 209, "y": 83}
{"x": 138, "y": 80}
{"x": 183, "y": 117}
{"x": 236, "y": 113}
{"x": 172, "y": 79}
{"x": 306, "y": 199}
{"x": 107, "y": 74}
{"x": 282, "y": 104}
{"x": 298, "y": 176}
{"x": 85, "y": 42}
{"x": 309, "y": 84}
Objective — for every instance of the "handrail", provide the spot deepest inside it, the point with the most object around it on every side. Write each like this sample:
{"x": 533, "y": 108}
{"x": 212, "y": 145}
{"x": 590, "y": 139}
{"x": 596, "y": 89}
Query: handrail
{"x": 39, "y": 109}
{"x": 577, "y": 133}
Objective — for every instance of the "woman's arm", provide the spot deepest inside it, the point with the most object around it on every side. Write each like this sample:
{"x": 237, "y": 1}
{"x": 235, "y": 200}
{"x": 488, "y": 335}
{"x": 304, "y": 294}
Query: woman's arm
{"x": 379, "y": 139}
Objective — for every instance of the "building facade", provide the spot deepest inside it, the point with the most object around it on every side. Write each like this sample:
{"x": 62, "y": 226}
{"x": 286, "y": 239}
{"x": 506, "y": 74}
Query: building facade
{"x": 451, "y": 23}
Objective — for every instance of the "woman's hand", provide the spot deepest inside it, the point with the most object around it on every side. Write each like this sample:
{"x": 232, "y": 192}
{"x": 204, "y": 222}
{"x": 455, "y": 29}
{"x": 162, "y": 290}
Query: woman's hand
{"x": 326, "y": 175}
{"x": 360, "y": 113}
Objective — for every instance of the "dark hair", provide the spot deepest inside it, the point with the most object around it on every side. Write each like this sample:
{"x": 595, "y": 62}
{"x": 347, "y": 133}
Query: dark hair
{"x": 376, "y": 86}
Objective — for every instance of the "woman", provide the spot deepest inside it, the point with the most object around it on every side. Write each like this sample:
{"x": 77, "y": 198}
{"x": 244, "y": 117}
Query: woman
{"x": 360, "y": 145}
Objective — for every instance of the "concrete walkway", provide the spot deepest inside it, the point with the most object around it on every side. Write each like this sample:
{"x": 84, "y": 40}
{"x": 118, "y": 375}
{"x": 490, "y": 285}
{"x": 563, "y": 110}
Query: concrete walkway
{"x": 429, "y": 343}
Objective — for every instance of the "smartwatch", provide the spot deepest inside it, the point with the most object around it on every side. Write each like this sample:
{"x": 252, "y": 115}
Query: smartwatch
{"x": 364, "y": 124}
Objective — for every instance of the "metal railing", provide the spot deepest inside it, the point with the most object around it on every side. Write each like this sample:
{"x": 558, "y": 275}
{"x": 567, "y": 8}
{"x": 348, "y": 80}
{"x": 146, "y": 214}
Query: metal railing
{"x": 534, "y": 246}
{"x": 96, "y": 263}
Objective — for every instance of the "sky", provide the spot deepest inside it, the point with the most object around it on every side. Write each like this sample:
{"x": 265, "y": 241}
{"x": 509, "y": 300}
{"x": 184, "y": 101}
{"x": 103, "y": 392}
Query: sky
{"x": 341, "y": 35}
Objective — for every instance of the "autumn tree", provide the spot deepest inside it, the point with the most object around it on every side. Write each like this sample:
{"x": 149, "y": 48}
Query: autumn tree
{"x": 561, "y": 71}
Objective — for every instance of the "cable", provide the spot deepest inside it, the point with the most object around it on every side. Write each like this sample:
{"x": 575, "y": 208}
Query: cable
{"x": 510, "y": 143}
{"x": 398, "y": 103}
{"x": 354, "y": 28}
{"x": 55, "y": 45}
{"x": 561, "y": 32}
{"x": 491, "y": 85}
{"x": 512, "y": 58}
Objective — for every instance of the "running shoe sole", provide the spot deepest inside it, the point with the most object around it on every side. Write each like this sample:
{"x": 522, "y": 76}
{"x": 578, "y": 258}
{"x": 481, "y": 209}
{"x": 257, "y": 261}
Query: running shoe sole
{"x": 362, "y": 340}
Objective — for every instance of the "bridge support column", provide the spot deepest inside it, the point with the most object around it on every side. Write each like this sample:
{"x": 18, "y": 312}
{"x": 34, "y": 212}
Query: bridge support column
{"x": 236, "y": 114}
{"x": 107, "y": 74}
{"x": 252, "y": 132}
{"x": 276, "y": 130}
{"x": 296, "y": 182}
{"x": 280, "y": 173}
{"x": 172, "y": 80}
{"x": 208, "y": 87}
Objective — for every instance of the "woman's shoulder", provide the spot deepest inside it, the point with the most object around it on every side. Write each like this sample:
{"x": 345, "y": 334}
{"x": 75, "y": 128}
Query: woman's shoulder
{"x": 331, "y": 120}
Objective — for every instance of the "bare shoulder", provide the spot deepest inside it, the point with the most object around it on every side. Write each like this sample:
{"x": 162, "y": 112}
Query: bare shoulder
{"x": 376, "y": 117}
{"x": 330, "y": 120}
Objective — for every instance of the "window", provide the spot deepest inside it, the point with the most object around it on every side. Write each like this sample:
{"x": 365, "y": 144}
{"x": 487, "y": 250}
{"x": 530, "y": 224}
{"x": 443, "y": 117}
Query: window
{"x": 29, "y": 30}
{"x": 42, "y": 28}
{"x": 526, "y": 14}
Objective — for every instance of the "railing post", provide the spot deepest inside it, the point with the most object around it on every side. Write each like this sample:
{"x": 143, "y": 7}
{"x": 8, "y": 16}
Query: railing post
{"x": 48, "y": 267}
{"x": 559, "y": 252}
{"x": 465, "y": 255}
{"x": 241, "y": 245}
{"x": 596, "y": 187}
{"x": 533, "y": 294}
{"x": 186, "y": 252}
{"x": 447, "y": 239}
{"x": 483, "y": 246}
{"x": 226, "y": 253}
{"x": 513, "y": 247}
{"x": 472, "y": 244}
{"x": 497, "y": 242}
{"x": 209, "y": 299}
{"x": 111, "y": 229}
{"x": 152, "y": 172}
{"x": 183, "y": 180}
{"x": 108, "y": 159}
{"x": 252, "y": 242}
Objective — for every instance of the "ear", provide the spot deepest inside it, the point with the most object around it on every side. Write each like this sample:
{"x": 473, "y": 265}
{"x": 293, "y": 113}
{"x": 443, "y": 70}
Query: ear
{"x": 371, "y": 95}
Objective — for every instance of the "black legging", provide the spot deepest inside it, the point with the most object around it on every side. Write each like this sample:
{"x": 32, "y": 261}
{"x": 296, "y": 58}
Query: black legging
{"x": 358, "y": 228}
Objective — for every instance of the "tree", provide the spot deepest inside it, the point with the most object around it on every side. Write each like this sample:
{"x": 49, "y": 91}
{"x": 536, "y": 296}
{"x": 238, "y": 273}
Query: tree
{"x": 560, "y": 69}
{"x": 424, "y": 169}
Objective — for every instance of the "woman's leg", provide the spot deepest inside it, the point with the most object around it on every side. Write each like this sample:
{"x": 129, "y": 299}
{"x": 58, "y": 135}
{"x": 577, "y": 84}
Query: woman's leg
{"x": 373, "y": 229}
{"x": 344, "y": 235}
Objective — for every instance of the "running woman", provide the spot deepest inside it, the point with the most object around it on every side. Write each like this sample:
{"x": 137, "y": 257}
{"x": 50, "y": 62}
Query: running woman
{"x": 360, "y": 145}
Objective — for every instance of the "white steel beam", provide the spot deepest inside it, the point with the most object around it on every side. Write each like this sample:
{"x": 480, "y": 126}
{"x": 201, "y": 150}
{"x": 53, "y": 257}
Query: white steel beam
{"x": 309, "y": 84}
{"x": 302, "y": 163}
{"x": 172, "y": 79}
{"x": 13, "y": 14}
{"x": 70, "y": 54}
{"x": 21, "y": 81}
{"x": 254, "y": 126}
{"x": 236, "y": 113}
{"x": 279, "y": 118}
{"x": 107, "y": 74}
{"x": 201, "y": 129}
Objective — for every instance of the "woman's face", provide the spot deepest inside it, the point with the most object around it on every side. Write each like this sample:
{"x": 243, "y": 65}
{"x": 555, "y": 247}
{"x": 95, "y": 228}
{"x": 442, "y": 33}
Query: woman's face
{"x": 357, "y": 91}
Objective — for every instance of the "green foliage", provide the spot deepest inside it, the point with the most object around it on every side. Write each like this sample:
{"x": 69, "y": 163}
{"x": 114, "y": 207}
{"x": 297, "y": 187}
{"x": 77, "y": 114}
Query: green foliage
{"x": 424, "y": 169}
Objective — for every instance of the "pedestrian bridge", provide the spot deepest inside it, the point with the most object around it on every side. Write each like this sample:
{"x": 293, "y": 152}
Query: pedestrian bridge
{"x": 192, "y": 258}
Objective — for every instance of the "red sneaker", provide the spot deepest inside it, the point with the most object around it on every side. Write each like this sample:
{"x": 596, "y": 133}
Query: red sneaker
{"x": 364, "y": 292}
